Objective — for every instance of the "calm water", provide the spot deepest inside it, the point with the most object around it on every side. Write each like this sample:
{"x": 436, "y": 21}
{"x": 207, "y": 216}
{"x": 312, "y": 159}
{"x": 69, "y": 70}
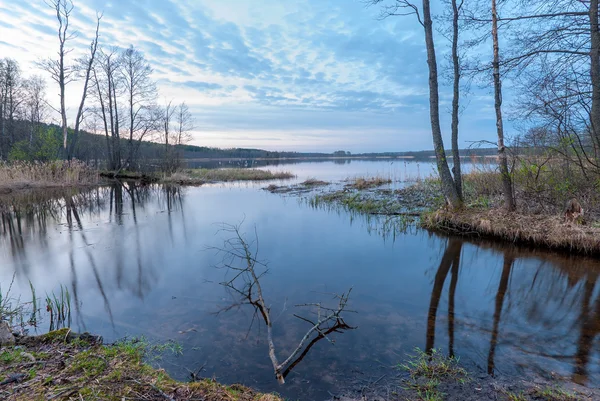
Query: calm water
{"x": 136, "y": 262}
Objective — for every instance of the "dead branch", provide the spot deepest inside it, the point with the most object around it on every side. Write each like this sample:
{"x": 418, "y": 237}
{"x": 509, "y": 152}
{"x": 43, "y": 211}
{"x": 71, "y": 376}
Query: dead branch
{"x": 240, "y": 259}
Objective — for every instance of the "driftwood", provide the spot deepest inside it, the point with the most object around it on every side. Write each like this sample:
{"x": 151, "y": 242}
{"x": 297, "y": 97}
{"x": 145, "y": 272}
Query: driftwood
{"x": 240, "y": 259}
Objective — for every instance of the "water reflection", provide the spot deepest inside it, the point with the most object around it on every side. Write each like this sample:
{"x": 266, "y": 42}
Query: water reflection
{"x": 131, "y": 256}
{"x": 554, "y": 302}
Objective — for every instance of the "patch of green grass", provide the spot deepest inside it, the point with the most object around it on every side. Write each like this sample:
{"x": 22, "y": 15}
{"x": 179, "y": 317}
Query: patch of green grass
{"x": 516, "y": 397}
{"x": 428, "y": 370}
{"x": 554, "y": 394}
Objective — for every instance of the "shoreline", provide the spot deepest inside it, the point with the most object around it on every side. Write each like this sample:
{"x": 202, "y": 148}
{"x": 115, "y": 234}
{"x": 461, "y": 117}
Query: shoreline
{"x": 62, "y": 365}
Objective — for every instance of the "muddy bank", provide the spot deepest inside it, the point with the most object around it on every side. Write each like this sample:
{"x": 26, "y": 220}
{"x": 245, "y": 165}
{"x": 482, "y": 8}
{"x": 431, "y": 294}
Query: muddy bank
{"x": 63, "y": 366}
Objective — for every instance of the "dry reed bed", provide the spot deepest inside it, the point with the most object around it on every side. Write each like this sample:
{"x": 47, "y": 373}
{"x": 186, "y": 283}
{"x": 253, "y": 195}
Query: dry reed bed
{"x": 539, "y": 230}
{"x": 23, "y": 175}
{"x": 202, "y": 176}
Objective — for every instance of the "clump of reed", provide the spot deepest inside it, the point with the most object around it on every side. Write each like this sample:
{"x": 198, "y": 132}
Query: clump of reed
{"x": 21, "y": 314}
{"x": 201, "y": 176}
{"x": 47, "y": 174}
{"x": 59, "y": 308}
{"x": 362, "y": 183}
{"x": 314, "y": 182}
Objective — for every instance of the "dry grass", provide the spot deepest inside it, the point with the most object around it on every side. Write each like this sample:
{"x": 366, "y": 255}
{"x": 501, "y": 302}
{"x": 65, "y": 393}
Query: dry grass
{"x": 202, "y": 176}
{"x": 59, "y": 366}
{"x": 22, "y": 175}
{"x": 540, "y": 230}
{"x": 313, "y": 182}
{"x": 361, "y": 183}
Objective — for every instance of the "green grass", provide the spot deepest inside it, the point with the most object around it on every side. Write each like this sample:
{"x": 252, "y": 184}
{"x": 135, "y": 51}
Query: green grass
{"x": 428, "y": 370}
{"x": 554, "y": 394}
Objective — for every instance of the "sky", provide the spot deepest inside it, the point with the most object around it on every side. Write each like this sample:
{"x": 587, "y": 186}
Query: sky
{"x": 298, "y": 75}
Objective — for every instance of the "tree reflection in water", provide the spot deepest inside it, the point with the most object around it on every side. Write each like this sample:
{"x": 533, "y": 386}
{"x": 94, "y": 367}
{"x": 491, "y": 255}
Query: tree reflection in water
{"x": 547, "y": 298}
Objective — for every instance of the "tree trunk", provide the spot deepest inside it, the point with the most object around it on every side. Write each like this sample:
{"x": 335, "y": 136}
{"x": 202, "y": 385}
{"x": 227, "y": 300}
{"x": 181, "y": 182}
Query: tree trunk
{"x": 455, "y": 102}
{"x": 61, "y": 83}
{"x": 500, "y": 295}
{"x": 117, "y": 132}
{"x": 448, "y": 185}
{"x": 509, "y": 199}
{"x": 595, "y": 74}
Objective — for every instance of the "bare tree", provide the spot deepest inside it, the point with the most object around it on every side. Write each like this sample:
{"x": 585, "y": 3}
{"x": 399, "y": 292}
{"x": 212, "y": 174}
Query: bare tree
{"x": 423, "y": 15}
{"x": 61, "y": 73}
{"x": 509, "y": 199}
{"x": 35, "y": 104}
{"x": 141, "y": 93}
{"x": 106, "y": 80}
{"x": 185, "y": 123}
{"x": 86, "y": 65}
{"x": 168, "y": 136}
{"x": 456, "y": 69}
{"x": 11, "y": 98}
{"x": 245, "y": 270}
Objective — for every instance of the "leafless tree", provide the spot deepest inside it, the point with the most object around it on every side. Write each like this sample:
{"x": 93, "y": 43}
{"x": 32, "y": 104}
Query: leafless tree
{"x": 245, "y": 270}
{"x": 86, "y": 64}
{"x": 185, "y": 124}
{"x": 11, "y": 98}
{"x": 168, "y": 136}
{"x": 60, "y": 72}
{"x": 509, "y": 199}
{"x": 106, "y": 79}
{"x": 141, "y": 93}
{"x": 423, "y": 15}
{"x": 35, "y": 104}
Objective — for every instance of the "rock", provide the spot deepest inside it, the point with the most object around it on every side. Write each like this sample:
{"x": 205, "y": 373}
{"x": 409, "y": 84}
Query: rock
{"x": 6, "y": 337}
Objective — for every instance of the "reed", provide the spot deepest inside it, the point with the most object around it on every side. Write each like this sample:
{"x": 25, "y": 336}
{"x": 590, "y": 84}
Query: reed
{"x": 58, "y": 173}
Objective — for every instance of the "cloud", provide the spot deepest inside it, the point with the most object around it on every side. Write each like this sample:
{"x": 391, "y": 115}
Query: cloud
{"x": 320, "y": 70}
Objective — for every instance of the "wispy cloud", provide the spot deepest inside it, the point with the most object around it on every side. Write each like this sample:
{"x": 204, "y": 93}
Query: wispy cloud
{"x": 313, "y": 74}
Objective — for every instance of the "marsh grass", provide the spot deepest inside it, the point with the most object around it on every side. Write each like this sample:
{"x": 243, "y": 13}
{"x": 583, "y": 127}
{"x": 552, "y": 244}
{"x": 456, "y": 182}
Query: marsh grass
{"x": 313, "y": 182}
{"x": 17, "y": 175}
{"x": 59, "y": 308}
{"x": 17, "y": 313}
{"x": 361, "y": 183}
{"x": 202, "y": 176}
{"x": 21, "y": 314}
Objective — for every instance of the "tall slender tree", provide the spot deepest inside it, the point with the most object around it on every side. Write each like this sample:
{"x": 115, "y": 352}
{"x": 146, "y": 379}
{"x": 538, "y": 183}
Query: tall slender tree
{"x": 423, "y": 15}
{"x": 509, "y": 199}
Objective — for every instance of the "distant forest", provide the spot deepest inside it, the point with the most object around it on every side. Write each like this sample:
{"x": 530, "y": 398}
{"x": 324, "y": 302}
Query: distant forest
{"x": 91, "y": 149}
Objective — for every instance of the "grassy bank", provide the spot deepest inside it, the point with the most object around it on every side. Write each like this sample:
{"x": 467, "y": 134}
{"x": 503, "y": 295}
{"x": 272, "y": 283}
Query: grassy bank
{"x": 203, "y": 176}
{"x": 63, "y": 366}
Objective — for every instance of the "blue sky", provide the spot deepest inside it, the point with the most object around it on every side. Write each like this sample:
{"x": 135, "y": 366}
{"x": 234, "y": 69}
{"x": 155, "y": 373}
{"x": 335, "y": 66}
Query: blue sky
{"x": 305, "y": 75}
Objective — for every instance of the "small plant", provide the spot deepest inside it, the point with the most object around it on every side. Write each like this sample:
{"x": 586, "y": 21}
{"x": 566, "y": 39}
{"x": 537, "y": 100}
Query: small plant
{"x": 554, "y": 394}
{"x": 59, "y": 308}
{"x": 428, "y": 369}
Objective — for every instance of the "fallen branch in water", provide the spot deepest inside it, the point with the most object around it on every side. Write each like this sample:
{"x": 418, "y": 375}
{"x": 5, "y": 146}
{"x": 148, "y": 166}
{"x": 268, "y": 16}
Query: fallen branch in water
{"x": 245, "y": 284}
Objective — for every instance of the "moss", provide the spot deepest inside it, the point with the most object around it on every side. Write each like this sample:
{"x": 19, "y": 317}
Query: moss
{"x": 74, "y": 370}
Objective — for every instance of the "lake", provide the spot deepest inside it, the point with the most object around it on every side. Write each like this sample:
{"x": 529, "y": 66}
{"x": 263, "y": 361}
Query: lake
{"x": 138, "y": 261}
